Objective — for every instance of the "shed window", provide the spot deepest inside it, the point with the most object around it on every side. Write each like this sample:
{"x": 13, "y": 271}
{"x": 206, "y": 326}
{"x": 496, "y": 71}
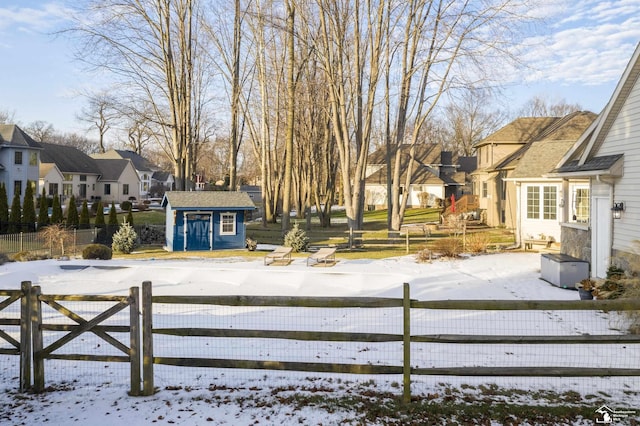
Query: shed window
{"x": 228, "y": 224}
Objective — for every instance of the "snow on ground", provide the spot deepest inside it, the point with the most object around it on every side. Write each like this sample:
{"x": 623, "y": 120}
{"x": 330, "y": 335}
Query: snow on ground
{"x": 235, "y": 399}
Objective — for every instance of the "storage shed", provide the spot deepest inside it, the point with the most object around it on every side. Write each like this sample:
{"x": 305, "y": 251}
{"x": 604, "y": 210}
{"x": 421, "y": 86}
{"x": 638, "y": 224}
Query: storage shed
{"x": 205, "y": 220}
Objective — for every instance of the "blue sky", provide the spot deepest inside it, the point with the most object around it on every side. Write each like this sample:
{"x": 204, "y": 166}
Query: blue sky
{"x": 580, "y": 57}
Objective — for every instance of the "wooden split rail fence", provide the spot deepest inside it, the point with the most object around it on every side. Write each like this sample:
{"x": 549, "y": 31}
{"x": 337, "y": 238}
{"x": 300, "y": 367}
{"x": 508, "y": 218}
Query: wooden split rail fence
{"x": 139, "y": 350}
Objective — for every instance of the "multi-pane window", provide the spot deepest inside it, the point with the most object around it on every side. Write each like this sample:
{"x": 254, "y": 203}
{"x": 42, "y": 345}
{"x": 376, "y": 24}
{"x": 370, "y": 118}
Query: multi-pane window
{"x": 33, "y": 158}
{"x": 67, "y": 189}
{"x": 542, "y": 202}
{"x": 580, "y": 204}
{"x": 125, "y": 189}
{"x": 17, "y": 187}
{"x": 17, "y": 158}
{"x": 549, "y": 203}
{"x": 228, "y": 224}
{"x": 53, "y": 189}
{"x": 485, "y": 189}
{"x": 533, "y": 202}
{"x": 107, "y": 189}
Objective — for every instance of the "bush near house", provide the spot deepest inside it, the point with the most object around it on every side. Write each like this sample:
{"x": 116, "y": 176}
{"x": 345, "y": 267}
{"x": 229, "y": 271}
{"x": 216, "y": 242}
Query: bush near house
{"x": 97, "y": 251}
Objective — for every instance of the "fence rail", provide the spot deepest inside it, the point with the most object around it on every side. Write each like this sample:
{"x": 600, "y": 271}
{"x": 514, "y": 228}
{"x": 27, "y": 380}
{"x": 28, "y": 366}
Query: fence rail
{"x": 34, "y": 242}
{"x": 142, "y": 306}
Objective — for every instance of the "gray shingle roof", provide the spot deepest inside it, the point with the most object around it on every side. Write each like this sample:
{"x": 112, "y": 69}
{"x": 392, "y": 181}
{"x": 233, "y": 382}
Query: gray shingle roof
{"x": 110, "y": 169}
{"x": 602, "y": 163}
{"x": 68, "y": 159}
{"x": 208, "y": 199}
{"x": 10, "y": 134}
{"x": 139, "y": 162}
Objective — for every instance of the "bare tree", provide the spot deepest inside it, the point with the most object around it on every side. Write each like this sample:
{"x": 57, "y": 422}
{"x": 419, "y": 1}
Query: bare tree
{"x": 100, "y": 112}
{"x": 350, "y": 46}
{"x": 7, "y": 117}
{"x": 76, "y": 140}
{"x": 541, "y": 106}
{"x": 151, "y": 47}
{"x": 40, "y": 131}
{"x": 467, "y": 120}
{"x": 446, "y": 44}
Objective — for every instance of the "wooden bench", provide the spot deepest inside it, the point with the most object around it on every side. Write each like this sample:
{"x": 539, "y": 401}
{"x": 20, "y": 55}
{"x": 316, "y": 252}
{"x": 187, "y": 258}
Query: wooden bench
{"x": 528, "y": 243}
{"x": 324, "y": 255}
{"x": 280, "y": 254}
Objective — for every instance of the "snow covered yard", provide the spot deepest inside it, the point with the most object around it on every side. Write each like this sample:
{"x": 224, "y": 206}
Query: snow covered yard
{"x": 97, "y": 395}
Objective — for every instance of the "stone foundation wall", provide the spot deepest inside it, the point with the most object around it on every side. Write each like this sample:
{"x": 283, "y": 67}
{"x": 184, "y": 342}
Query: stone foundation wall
{"x": 576, "y": 243}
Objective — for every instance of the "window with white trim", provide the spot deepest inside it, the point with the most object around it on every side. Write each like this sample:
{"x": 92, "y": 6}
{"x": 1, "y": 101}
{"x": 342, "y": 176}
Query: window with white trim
{"x": 542, "y": 202}
{"x": 228, "y": 223}
{"x": 580, "y": 204}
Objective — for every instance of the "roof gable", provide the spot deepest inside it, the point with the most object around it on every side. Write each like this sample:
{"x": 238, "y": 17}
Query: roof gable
{"x": 538, "y": 156}
{"x": 111, "y": 169}
{"x": 10, "y": 134}
{"x": 583, "y": 156}
{"x": 208, "y": 200}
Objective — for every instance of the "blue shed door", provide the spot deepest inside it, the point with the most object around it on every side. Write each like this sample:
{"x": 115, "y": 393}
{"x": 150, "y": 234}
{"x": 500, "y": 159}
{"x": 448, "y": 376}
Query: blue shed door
{"x": 199, "y": 231}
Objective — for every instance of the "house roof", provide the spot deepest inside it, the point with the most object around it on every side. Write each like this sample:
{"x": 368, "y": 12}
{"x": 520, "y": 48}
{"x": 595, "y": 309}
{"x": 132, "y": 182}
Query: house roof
{"x": 583, "y": 156}
{"x": 111, "y": 169}
{"x": 208, "y": 200}
{"x": 538, "y": 156}
{"x": 520, "y": 130}
{"x": 606, "y": 164}
{"x": 12, "y": 135}
{"x": 428, "y": 158}
{"x": 68, "y": 159}
{"x": 161, "y": 176}
{"x": 139, "y": 162}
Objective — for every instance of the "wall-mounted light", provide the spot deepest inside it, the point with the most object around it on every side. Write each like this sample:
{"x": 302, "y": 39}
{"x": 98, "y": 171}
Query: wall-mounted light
{"x": 617, "y": 210}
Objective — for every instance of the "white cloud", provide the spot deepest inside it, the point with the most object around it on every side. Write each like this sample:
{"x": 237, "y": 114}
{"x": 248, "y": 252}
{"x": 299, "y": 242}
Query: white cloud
{"x": 590, "y": 43}
{"x": 46, "y": 17}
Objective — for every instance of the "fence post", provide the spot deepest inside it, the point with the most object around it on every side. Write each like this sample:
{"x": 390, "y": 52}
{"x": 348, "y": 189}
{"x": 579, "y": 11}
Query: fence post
{"x": 25, "y": 336}
{"x": 406, "y": 340}
{"x": 21, "y": 242}
{"x": 147, "y": 339}
{"x": 37, "y": 341}
{"x": 134, "y": 339}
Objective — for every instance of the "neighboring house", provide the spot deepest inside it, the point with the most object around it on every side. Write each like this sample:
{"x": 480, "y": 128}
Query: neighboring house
{"x": 538, "y": 198}
{"x": 205, "y": 220}
{"x": 600, "y": 173}
{"x": 19, "y": 161}
{"x": 161, "y": 182}
{"x": 436, "y": 175}
{"x": 118, "y": 181}
{"x": 505, "y": 165}
{"x": 144, "y": 168}
{"x": 109, "y": 180}
{"x": 79, "y": 172}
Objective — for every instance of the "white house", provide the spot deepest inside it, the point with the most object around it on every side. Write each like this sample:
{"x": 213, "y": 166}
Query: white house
{"x": 603, "y": 167}
{"x": 143, "y": 167}
{"x": 118, "y": 181}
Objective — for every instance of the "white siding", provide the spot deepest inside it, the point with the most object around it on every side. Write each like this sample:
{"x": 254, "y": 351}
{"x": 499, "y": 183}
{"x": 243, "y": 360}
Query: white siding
{"x": 624, "y": 137}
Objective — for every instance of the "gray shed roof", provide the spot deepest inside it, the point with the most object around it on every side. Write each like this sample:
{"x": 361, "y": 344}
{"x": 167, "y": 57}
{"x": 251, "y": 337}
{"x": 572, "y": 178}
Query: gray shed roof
{"x": 208, "y": 200}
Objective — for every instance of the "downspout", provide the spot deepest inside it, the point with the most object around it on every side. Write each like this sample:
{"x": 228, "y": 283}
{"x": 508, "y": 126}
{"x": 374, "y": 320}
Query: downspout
{"x": 518, "y": 243}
